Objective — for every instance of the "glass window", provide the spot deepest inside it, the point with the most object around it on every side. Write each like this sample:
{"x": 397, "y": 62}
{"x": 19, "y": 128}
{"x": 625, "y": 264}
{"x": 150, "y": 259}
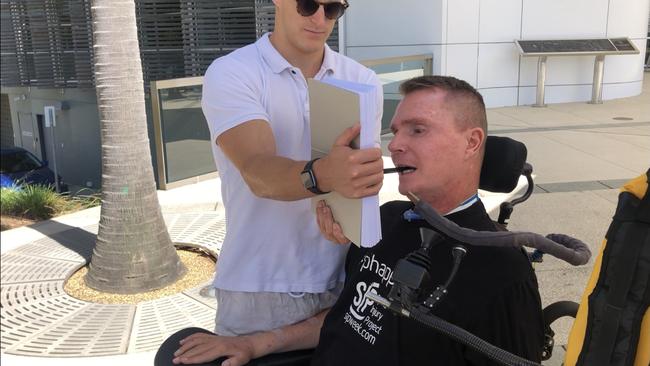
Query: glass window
{"x": 391, "y": 76}
{"x": 19, "y": 161}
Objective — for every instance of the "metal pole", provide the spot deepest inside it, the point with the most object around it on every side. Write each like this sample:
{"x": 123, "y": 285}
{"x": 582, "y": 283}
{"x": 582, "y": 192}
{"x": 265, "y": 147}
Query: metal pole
{"x": 50, "y": 122}
{"x": 541, "y": 79}
{"x": 56, "y": 173}
{"x": 597, "y": 88}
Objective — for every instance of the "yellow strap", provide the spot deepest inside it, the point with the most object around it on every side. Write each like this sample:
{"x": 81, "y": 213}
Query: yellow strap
{"x": 637, "y": 186}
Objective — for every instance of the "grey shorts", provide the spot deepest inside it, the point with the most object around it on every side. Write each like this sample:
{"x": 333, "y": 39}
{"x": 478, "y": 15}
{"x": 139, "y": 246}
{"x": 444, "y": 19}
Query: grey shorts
{"x": 240, "y": 313}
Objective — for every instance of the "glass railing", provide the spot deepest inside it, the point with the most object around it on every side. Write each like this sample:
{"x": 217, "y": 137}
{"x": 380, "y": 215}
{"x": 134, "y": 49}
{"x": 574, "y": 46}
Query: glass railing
{"x": 182, "y": 138}
{"x": 183, "y": 148}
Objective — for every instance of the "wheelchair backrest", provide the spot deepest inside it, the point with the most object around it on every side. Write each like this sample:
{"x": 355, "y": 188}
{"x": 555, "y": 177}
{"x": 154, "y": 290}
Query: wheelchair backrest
{"x": 503, "y": 164}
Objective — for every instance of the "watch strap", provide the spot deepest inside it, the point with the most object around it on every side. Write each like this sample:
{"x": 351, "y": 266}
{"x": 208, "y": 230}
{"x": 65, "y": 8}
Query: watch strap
{"x": 308, "y": 169}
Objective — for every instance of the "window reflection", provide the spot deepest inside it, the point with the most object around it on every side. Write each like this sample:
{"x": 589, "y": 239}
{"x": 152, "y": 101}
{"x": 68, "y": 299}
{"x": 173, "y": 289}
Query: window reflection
{"x": 186, "y": 138}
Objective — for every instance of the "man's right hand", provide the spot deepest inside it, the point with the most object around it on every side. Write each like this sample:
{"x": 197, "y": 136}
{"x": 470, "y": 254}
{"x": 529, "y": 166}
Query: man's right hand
{"x": 353, "y": 173}
{"x": 203, "y": 347}
{"x": 239, "y": 350}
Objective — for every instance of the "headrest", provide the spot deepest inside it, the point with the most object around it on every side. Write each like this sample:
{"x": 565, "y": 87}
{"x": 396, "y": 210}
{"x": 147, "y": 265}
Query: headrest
{"x": 502, "y": 164}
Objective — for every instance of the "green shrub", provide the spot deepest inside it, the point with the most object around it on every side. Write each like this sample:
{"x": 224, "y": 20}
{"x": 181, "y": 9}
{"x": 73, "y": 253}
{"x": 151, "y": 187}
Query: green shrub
{"x": 39, "y": 203}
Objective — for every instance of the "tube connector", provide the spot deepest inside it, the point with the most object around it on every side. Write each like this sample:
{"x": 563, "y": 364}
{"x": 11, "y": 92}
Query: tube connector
{"x": 388, "y": 305}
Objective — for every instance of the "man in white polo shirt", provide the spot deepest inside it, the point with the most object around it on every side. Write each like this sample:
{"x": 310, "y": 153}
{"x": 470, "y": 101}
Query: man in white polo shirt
{"x": 275, "y": 268}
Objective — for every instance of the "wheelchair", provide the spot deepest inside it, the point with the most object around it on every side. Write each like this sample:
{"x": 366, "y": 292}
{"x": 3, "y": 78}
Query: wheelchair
{"x": 503, "y": 165}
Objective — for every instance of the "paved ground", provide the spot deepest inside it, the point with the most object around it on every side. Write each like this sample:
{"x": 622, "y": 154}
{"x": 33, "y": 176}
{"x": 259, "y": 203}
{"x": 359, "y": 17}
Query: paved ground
{"x": 581, "y": 153}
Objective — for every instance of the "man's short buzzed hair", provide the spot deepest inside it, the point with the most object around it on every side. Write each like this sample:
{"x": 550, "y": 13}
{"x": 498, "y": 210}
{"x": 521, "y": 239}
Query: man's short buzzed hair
{"x": 469, "y": 108}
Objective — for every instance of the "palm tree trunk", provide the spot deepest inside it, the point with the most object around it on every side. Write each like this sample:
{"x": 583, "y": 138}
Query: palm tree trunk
{"x": 134, "y": 252}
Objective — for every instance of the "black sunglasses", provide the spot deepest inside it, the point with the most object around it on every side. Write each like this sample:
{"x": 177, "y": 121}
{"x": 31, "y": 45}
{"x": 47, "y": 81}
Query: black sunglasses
{"x": 333, "y": 10}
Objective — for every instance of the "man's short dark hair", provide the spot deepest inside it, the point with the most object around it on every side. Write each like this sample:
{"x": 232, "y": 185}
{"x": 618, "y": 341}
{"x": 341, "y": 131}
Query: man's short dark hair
{"x": 469, "y": 106}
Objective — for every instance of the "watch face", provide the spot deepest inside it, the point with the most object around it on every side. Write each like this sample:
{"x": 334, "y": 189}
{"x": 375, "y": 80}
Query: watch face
{"x": 307, "y": 180}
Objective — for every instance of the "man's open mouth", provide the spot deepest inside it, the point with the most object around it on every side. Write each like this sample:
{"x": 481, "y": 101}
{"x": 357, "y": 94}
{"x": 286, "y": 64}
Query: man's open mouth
{"x": 405, "y": 169}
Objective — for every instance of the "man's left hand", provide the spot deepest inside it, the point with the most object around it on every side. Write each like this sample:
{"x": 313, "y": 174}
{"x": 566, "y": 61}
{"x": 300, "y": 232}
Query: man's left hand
{"x": 330, "y": 229}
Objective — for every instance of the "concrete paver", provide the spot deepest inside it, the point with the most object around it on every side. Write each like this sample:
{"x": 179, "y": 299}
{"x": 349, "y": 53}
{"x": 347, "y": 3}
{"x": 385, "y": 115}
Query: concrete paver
{"x": 637, "y": 136}
{"x": 543, "y": 116}
{"x": 563, "y": 157}
{"x": 499, "y": 120}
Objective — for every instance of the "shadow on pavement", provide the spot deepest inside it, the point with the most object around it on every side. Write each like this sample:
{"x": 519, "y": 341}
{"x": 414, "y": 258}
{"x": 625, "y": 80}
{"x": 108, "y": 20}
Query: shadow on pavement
{"x": 73, "y": 238}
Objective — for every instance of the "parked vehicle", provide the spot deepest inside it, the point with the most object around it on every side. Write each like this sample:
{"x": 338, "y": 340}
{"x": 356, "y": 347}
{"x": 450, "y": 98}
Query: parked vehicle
{"x": 18, "y": 166}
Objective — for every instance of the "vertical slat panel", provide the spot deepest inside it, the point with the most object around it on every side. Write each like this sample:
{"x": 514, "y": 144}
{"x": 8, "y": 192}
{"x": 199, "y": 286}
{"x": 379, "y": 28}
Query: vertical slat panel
{"x": 45, "y": 62}
{"x": 214, "y": 28}
{"x": 161, "y": 39}
{"x": 50, "y": 41}
{"x": 9, "y": 65}
{"x": 264, "y": 16}
{"x": 19, "y": 22}
{"x": 79, "y": 52}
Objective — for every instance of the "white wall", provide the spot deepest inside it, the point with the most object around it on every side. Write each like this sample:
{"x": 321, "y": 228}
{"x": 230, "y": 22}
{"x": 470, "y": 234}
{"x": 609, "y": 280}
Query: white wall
{"x": 78, "y": 152}
{"x": 382, "y": 28}
{"x": 473, "y": 40}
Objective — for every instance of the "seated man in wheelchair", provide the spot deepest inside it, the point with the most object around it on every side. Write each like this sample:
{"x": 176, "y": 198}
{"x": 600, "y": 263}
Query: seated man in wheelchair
{"x": 440, "y": 130}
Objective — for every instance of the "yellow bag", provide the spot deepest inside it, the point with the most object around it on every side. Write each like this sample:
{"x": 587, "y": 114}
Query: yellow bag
{"x": 612, "y": 326}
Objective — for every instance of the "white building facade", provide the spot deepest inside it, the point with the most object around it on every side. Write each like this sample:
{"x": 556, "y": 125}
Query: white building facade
{"x": 474, "y": 40}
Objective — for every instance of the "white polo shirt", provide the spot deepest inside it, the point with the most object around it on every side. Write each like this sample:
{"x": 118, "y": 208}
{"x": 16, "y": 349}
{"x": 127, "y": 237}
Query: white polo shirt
{"x": 271, "y": 246}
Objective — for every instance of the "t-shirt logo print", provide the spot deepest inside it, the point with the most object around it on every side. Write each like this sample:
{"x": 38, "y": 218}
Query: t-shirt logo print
{"x": 361, "y": 300}
{"x": 363, "y": 317}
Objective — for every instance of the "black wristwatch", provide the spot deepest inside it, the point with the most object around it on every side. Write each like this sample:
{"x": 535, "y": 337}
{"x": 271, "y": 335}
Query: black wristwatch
{"x": 309, "y": 178}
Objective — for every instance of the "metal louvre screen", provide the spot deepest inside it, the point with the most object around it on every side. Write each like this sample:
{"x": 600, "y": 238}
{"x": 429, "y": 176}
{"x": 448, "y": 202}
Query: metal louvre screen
{"x": 9, "y": 72}
{"x": 79, "y": 59}
{"x": 161, "y": 39}
{"x": 15, "y": 44}
{"x": 48, "y": 43}
{"x": 214, "y": 28}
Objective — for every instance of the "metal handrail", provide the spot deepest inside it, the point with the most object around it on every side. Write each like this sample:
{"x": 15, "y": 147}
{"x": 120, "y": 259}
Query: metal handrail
{"x": 177, "y": 83}
{"x": 427, "y": 58}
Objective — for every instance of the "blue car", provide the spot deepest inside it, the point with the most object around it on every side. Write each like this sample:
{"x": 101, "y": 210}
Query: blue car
{"x": 18, "y": 166}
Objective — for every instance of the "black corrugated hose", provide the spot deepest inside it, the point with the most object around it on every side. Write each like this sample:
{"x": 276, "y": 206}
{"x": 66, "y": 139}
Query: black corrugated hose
{"x": 470, "y": 340}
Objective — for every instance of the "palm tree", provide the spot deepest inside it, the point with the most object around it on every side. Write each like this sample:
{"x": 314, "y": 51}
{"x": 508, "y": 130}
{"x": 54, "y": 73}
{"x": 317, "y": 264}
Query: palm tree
{"x": 133, "y": 252}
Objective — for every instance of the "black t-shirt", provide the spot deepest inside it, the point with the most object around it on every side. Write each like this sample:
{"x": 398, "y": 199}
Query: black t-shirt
{"x": 494, "y": 296}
